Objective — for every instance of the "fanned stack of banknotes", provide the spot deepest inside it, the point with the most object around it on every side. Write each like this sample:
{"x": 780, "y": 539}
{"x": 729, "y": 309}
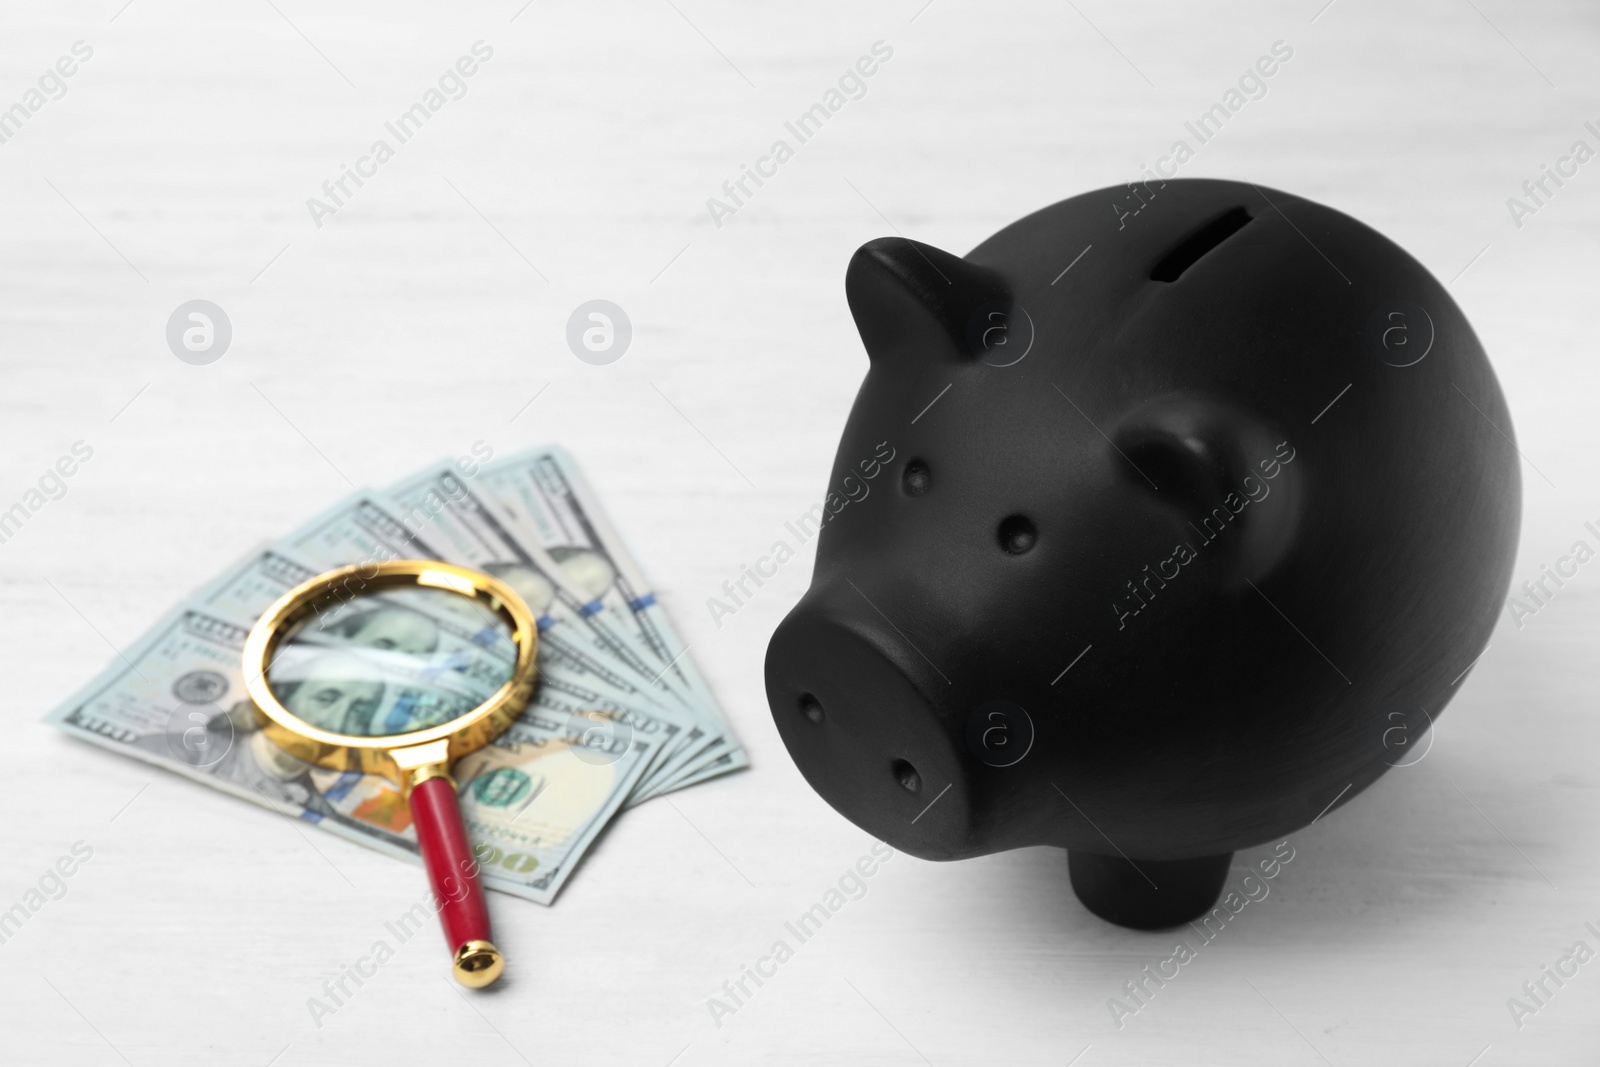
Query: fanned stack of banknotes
{"x": 620, "y": 713}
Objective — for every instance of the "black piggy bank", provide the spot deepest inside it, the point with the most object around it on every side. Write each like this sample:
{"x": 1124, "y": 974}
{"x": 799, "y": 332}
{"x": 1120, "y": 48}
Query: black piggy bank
{"x": 1203, "y": 500}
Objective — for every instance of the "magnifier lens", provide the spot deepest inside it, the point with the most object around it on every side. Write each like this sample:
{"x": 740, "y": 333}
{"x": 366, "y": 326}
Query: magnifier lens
{"x": 391, "y": 663}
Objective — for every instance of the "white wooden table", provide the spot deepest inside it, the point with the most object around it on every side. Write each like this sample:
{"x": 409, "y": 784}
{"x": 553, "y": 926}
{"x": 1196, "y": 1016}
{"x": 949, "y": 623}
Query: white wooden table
{"x": 430, "y": 309}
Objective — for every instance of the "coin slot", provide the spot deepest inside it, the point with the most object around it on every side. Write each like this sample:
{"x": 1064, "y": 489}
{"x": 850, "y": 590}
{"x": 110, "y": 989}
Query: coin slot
{"x": 1189, "y": 251}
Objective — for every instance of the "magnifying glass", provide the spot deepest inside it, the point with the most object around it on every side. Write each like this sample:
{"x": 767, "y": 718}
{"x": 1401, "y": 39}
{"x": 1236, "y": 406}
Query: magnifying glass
{"x": 398, "y": 669}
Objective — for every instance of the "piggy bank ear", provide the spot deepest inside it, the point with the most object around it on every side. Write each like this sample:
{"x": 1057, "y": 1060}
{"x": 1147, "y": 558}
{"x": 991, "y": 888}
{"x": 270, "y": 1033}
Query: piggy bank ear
{"x": 1230, "y": 475}
{"x": 910, "y": 299}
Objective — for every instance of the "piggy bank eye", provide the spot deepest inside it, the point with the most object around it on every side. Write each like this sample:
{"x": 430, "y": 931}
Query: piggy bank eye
{"x": 1017, "y": 534}
{"x": 906, "y": 775}
{"x": 916, "y": 479}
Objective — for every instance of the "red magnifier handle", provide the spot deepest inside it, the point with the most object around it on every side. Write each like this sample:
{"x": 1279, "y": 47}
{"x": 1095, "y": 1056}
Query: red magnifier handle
{"x": 453, "y": 873}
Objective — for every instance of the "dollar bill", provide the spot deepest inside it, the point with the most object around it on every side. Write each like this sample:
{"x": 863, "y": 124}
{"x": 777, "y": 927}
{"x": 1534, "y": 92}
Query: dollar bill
{"x": 543, "y": 490}
{"x": 541, "y": 795}
{"x": 470, "y": 530}
{"x": 177, "y": 699}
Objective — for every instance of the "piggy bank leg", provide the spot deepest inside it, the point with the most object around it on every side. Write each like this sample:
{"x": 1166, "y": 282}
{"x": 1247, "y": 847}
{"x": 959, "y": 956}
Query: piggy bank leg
{"x": 1147, "y": 894}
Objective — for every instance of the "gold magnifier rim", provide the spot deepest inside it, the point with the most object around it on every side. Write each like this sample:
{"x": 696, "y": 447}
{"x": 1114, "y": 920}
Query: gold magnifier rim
{"x": 437, "y": 745}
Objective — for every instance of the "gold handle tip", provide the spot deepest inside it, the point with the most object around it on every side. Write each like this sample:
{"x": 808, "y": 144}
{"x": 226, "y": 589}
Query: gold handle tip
{"x": 478, "y": 964}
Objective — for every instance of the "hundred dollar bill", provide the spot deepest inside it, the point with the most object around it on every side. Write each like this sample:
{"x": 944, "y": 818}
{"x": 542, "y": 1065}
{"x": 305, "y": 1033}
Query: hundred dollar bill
{"x": 471, "y": 531}
{"x": 541, "y": 796}
{"x": 475, "y": 534}
{"x": 534, "y": 800}
{"x": 244, "y": 590}
{"x": 543, "y": 490}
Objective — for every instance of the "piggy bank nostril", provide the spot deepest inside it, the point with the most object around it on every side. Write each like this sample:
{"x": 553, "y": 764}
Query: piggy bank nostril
{"x": 917, "y": 478}
{"x": 811, "y": 707}
{"x": 1017, "y": 534}
{"x": 907, "y": 776}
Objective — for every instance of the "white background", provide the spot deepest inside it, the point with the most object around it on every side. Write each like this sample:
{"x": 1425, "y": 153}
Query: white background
{"x": 416, "y": 322}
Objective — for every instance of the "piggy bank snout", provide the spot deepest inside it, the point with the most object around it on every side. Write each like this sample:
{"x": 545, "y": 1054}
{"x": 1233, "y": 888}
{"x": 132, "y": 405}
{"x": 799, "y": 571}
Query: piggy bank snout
{"x": 855, "y": 707}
